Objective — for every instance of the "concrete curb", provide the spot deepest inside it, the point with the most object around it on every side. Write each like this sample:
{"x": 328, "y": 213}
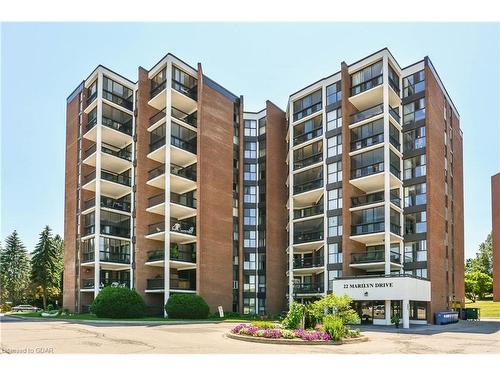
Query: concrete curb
{"x": 264, "y": 340}
{"x": 128, "y": 322}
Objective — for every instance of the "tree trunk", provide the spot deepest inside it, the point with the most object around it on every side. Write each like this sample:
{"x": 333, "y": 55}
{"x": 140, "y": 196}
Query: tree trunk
{"x": 44, "y": 298}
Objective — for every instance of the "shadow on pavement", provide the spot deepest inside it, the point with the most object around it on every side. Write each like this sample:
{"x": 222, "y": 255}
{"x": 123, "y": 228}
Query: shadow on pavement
{"x": 480, "y": 327}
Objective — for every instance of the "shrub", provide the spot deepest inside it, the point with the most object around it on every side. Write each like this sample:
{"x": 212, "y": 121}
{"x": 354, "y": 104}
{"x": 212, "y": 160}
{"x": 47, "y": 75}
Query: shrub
{"x": 50, "y": 307}
{"x": 294, "y": 316}
{"x": 4, "y": 307}
{"x": 339, "y": 306}
{"x": 263, "y": 324}
{"x": 334, "y": 326}
{"x": 353, "y": 332}
{"x": 287, "y": 334}
{"x": 186, "y": 306}
{"x": 114, "y": 302}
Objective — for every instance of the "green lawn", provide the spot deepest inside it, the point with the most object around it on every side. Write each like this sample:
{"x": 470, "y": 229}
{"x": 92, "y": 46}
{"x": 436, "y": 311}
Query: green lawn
{"x": 148, "y": 319}
{"x": 489, "y": 309}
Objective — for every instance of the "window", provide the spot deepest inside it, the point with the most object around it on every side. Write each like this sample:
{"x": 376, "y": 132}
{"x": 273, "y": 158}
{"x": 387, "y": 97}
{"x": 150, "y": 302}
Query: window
{"x": 416, "y": 251}
{"x": 307, "y": 155}
{"x": 334, "y": 146}
{"x": 414, "y": 139}
{"x": 335, "y": 199}
{"x": 414, "y": 167}
{"x": 249, "y": 306}
{"x": 307, "y": 130}
{"x": 250, "y": 194}
{"x": 117, "y": 93}
{"x": 249, "y": 283}
{"x": 367, "y": 135}
{"x": 250, "y": 172}
{"x": 334, "y": 119}
{"x": 413, "y": 112}
{"x": 366, "y": 78}
{"x": 378, "y": 309}
{"x": 395, "y": 163}
{"x": 308, "y": 180}
{"x": 367, "y": 163}
{"x": 334, "y": 253}
{"x": 416, "y": 223}
{"x": 249, "y": 216}
{"x": 250, "y": 128}
{"x": 333, "y": 93}
{"x": 418, "y": 310}
{"x": 414, "y": 84}
{"x": 262, "y": 125}
{"x": 250, "y": 150}
{"x": 307, "y": 105}
{"x": 393, "y": 79}
{"x": 334, "y": 172}
{"x": 334, "y": 226}
{"x": 262, "y": 148}
{"x": 415, "y": 195}
{"x": 332, "y": 275}
{"x": 250, "y": 237}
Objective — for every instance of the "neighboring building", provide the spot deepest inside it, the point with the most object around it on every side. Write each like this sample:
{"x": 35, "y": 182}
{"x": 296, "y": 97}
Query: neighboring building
{"x": 495, "y": 234}
{"x": 380, "y": 218}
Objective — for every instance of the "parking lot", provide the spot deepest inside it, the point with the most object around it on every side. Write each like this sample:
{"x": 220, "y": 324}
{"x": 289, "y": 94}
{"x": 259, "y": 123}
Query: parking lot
{"x": 58, "y": 337}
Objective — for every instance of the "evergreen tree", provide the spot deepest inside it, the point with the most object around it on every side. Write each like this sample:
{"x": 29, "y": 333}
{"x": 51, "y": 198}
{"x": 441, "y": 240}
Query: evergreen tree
{"x": 46, "y": 265}
{"x": 14, "y": 270}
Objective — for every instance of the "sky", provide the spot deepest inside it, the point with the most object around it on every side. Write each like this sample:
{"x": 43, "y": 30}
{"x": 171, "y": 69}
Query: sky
{"x": 41, "y": 64}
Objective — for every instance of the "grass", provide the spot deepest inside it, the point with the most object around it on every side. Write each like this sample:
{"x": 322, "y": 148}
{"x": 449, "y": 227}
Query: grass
{"x": 489, "y": 309}
{"x": 145, "y": 319}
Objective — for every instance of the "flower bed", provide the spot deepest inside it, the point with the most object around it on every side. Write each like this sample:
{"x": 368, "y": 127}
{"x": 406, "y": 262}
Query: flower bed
{"x": 295, "y": 336}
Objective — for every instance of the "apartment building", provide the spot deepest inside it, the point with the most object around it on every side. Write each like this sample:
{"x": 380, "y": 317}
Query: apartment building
{"x": 495, "y": 233}
{"x": 375, "y": 191}
{"x": 172, "y": 187}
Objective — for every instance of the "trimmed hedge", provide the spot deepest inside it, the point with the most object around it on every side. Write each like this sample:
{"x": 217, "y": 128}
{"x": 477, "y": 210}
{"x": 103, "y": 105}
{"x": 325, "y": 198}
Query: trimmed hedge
{"x": 114, "y": 302}
{"x": 186, "y": 306}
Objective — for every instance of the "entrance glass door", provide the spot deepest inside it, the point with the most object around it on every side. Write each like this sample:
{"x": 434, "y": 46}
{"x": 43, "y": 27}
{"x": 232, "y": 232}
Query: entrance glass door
{"x": 364, "y": 310}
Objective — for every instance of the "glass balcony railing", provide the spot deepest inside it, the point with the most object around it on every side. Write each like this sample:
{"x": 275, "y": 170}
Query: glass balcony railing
{"x": 308, "y": 288}
{"x": 186, "y": 199}
{"x": 367, "y": 228}
{"x": 307, "y": 111}
{"x": 122, "y": 154}
{"x": 123, "y": 102}
{"x": 302, "y": 237}
{"x": 91, "y": 122}
{"x": 367, "y": 170}
{"x": 308, "y": 211}
{"x": 313, "y": 159}
{"x": 156, "y": 200}
{"x": 182, "y": 226}
{"x": 105, "y": 256}
{"x": 91, "y": 98}
{"x": 315, "y": 261}
{"x": 122, "y": 179}
{"x": 304, "y": 137}
{"x": 157, "y": 143}
{"x": 115, "y": 204}
{"x": 188, "y": 172}
{"x": 367, "y": 142}
{"x": 367, "y": 113}
{"x": 180, "y": 255}
{"x": 156, "y": 227}
{"x": 395, "y": 114}
{"x": 112, "y": 229}
{"x": 155, "y": 172}
{"x": 89, "y": 283}
{"x": 191, "y": 92}
{"x": 157, "y": 117}
{"x": 367, "y": 85}
{"x": 190, "y": 119}
{"x": 372, "y": 198}
{"x": 180, "y": 284}
{"x": 375, "y": 256}
{"x": 155, "y": 90}
{"x": 307, "y": 186}
{"x": 125, "y": 128}
{"x": 187, "y": 145}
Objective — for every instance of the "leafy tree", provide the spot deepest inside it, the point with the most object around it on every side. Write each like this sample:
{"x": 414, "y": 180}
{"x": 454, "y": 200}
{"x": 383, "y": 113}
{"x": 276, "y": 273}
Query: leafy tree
{"x": 338, "y": 306}
{"x": 14, "y": 270}
{"x": 47, "y": 265}
{"x": 483, "y": 262}
{"x": 477, "y": 284}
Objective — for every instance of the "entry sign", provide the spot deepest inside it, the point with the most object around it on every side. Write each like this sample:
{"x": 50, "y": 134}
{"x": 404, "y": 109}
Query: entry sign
{"x": 221, "y": 312}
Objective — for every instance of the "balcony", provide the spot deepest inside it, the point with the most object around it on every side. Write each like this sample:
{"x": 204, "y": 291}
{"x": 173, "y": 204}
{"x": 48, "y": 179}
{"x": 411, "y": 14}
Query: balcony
{"x": 182, "y": 179}
{"x": 112, "y": 158}
{"x": 307, "y": 186}
{"x": 180, "y": 258}
{"x": 122, "y": 102}
{"x": 156, "y": 204}
{"x": 302, "y": 213}
{"x": 374, "y": 198}
{"x": 313, "y": 159}
{"x": 307, "y": 111}
{"x": 88, "y": 284}
{"x": 108, "y": 260}
{"x": 183, "y": 151}
{"x": 158, "y": 285}
{"x": 115, "y": 204}
{"x": 110, "y": 229}
{"x": 182, "y": 205}
{"x": 369, "y": 141}
{"x": 304, "y": 137}
{"x": 308, "y": 288}
{"x": 112, "y": 184}
{"x": 158, "y": 117}
{"x": 394, "y": 112}
{"x": 306, "y": 263}
{"x": 158, "y": 97}
{"x": 180, "y": 231}
{"x": 375, "y": 260}
{"x": 184, "y": 97}
{"x": 374, "y": 232}
{"x": 187, "y": 118}
{"x": 367, "y": 93}
{"x": 367, "y": 114}
{"x": 115, "y": 133}
{"x": 305, "y": 237}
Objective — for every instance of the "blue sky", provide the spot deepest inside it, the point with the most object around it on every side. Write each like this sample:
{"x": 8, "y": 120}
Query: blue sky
{"x": 41, "y": 63}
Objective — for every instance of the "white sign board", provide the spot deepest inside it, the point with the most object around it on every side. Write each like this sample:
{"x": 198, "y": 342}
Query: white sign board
{"x": 221, "y": 311}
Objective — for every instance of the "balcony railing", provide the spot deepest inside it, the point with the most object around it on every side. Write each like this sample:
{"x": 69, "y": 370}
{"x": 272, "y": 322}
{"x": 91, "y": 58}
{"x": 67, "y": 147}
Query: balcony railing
{"x": 157, "y": 89}
{"x": 183, "y": 227}
{"x": 157, "y": 143}
{"x": 375, "y": 256}
{"x": 367, "y": 142}
{"x": 394, "y": 113}
{"x": 122, "y": 154}
{"x": 304, "y": 137}
{"x": 187, "y": 200}
{"x": 115, "y": 230}
{"x": 367, "y": 170}
{"x": 91, "y": 98}
{"x": 190, "y": 119}
{"x": 313, "y": 159}
{"x": 157, "y": 117}
{"x": 315, "y": 261}
{"x": 89, "y": 177}
{"x": 308, "y": 211}
{"x": 125, "y": 128}
{"x": 309, "y": 185}
{"x": 307, "y": 111}
{"x": 121, "y": 179}
{"x": 394, "y": 85}
{"x": 308, "y": 288}
{"x": 106, "y": 256}
{"x": 191, "y": 92}
{"x": 89, "y": 203}
{"x": 367, "y": 199}
{"x": 302, "y": 237}
{"x": 188, "y": 172}
{"x": 395, "y": 171}
{"x": 155, "y": 172}
{"x": 175, "y": 254}
{"x": 367, "y": 113}
{"x": 115, "y": 204}
{"x": 184, "y": 144}
{"x": 89, "y": 283}
{"x": 367, "y": 228}
{"x": 156, "y": 200}
{"x": 117, "y": 100}
{"x": 91, "y": 122}
{"x": 156, "y": 227}
{"x": 89, "y": 151}
{"x": 159, "y": 284}
{"x": 367, "y": 85}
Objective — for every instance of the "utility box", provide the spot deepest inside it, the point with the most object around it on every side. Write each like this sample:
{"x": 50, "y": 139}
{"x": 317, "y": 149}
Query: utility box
{"x": 472, "y": 313}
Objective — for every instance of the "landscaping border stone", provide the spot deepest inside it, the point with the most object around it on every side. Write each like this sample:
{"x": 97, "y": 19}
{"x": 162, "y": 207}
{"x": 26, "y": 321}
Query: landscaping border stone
{"x": 265, "y": 340}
